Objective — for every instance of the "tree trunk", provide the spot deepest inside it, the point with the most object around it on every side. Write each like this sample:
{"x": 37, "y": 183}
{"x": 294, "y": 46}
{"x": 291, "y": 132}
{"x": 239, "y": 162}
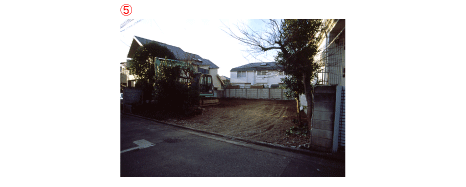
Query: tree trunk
{"x": 297, "y": 110}
{"x": 309, "y": 100}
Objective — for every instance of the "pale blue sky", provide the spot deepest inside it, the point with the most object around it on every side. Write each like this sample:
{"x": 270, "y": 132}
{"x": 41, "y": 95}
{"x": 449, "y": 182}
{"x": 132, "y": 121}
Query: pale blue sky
{"x": 203, "y": 37}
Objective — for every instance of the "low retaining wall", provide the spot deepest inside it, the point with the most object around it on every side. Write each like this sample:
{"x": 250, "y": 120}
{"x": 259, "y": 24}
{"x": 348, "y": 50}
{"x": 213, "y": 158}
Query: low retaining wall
{"x": 131, "y": 96}
{"x": 328, "y": 121}
{"x": 323, "y": 117}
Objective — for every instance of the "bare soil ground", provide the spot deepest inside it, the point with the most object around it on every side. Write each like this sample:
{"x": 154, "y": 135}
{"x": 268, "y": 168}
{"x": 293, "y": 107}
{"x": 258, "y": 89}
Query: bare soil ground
{"x": 259, "y": 120}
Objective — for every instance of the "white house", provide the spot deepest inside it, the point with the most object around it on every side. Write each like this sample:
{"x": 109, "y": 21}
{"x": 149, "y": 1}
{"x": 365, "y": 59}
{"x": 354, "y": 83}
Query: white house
{"x": 267, "y": 74}
{"x": 205, "y": 64}
{"x": 125, "y": 76}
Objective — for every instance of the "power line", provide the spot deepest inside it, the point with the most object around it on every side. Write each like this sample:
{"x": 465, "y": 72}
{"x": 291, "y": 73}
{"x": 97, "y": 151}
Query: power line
{"x": 125, "y": 23}
{"x": 124, "y": 43}
{"x": 131, "y": 25}
{"x": 158, "y": 26}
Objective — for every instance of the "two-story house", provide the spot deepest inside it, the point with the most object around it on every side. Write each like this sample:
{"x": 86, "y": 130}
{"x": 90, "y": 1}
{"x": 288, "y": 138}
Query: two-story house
{"x": 204, "y": 65}
{"x": 268, "y": 74}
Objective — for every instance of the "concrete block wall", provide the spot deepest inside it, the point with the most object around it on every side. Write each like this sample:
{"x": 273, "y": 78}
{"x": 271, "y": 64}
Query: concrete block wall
{"x": 252, "y": 93}
{"x": 219, "y": 93}
{"x": 323, "y": 117}
{"x": 244, "y": 93}
{"x": 276, "y": 93}
{"x": 241, "y": 93}
{"x": 263, "y": 93}
{"x": 256, "y": 93}
{"x": 232, "y": 93}
{"x": 237, "y": 93}
{"x": 132, "y": 96}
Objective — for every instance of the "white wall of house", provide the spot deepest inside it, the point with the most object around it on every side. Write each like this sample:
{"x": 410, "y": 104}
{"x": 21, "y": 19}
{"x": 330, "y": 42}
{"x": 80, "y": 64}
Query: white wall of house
{"x": 125, "y": 75}
{"x": 204, "y": 67}
{"x": 276, "y": 78}
{"x": 253, "y": 78}
{"x": 235, "y": 79}
{"x": 261, "y": 79}
{"x": 241, "y": 81}
{"x": 213, "y": 73}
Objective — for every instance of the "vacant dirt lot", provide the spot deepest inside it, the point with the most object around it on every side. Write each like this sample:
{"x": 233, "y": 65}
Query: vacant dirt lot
{"x": 259, "y": 120}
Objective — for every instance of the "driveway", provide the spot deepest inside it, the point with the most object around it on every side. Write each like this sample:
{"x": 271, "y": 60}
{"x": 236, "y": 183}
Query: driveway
{"x": 151, "y": 149}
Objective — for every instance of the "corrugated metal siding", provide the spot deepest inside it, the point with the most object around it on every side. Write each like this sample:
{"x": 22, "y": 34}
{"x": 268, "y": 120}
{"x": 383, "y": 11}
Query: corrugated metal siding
{"x": 341, "y": 136}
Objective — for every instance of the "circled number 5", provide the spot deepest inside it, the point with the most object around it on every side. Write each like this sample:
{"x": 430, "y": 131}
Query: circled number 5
{"x": 125, "y": 8}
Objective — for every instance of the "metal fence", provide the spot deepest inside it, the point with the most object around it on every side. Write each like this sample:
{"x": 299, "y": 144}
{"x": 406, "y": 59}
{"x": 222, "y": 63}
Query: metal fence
{"x": 341, "y": 135}
{"x": 332, "y": 59}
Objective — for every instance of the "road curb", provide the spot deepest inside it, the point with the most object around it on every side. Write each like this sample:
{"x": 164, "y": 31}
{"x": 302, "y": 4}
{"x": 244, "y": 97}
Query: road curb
{"x": 331, "y": 156}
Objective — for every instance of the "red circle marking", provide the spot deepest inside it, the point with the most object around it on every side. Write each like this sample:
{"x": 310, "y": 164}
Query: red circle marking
{"x": 126, "y": 9}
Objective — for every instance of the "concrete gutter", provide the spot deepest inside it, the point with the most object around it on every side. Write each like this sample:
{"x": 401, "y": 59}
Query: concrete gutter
{"x": 333, "y": 156}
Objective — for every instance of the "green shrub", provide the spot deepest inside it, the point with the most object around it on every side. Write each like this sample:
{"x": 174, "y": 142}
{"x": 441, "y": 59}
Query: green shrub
{"x": 172, "y": 95}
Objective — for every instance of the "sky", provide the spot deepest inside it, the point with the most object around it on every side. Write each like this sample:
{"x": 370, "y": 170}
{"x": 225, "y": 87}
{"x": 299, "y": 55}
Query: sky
{"x": 204, "y": 37}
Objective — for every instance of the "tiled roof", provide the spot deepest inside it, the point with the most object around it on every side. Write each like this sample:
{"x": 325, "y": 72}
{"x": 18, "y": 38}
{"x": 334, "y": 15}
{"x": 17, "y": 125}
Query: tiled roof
{"x": 258, "y": 66}
{"x": 179, "y": 53}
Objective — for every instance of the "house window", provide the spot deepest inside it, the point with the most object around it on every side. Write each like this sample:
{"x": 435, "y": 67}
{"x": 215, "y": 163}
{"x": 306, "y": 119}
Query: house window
{"x": 262, "y": 73}
{"x": 241, "y": 74}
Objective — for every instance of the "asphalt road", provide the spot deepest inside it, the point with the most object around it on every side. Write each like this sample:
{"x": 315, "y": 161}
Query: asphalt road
{"x": 174, "y": 152}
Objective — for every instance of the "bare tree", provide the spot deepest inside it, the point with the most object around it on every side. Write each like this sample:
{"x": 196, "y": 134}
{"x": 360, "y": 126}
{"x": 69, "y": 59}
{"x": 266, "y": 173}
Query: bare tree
{"x": 258, "y": 42}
